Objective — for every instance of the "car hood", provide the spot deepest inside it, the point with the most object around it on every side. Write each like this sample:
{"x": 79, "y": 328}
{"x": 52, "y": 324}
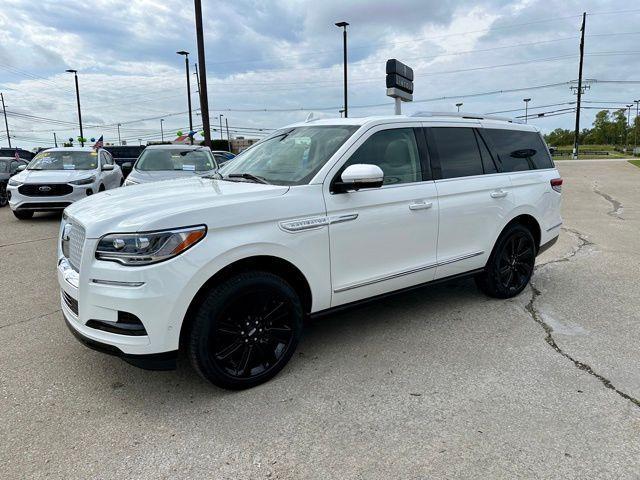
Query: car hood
{"x": 141, "y": 176}
{"x": 52, "y": 176}
{"x": 163, "y": 204}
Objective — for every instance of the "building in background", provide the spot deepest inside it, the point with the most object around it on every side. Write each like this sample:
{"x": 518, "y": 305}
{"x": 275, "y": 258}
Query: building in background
{"x": 239, "y": 144}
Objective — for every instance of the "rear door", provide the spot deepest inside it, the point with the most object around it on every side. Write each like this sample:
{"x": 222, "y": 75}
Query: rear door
{"x": 473, "y": 197}
{"x": 523, "y": 155}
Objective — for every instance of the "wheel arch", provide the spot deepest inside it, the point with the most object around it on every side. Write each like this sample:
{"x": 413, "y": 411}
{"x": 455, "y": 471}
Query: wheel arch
{"x": 267, "y": 263}
{"x": 527, "y": 220}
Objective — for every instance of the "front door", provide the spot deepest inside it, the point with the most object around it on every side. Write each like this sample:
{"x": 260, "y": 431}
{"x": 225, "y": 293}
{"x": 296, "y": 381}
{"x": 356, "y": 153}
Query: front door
{"x": 383, "y": 239}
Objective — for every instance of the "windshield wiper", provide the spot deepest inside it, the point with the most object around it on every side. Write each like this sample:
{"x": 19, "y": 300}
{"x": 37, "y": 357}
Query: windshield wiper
{"x": 248, "y": 176}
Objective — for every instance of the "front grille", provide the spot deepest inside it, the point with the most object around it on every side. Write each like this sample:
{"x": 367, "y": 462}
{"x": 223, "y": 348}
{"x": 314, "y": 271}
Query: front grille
{"x": 44, "y": 205}
{"x": 45, "y": 189}
{"x": 76, "y": 244}
{"x": 70, "y": 302}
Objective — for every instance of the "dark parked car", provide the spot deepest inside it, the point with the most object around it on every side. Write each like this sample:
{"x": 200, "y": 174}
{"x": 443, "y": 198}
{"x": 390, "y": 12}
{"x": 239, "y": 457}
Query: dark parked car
{"x": 11, "y": 152}
{"x": 125, "y": 155}
{"x": 8, "y": 168}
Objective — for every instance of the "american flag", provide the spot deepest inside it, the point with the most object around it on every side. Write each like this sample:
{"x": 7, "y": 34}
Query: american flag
{"x": 99, "y": 143}
{"x": 16, "y": 156}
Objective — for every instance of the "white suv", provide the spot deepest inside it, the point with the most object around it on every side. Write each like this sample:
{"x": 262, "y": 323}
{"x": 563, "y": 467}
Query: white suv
{"x": 57, "y": 177}
{"x": 319, "y": 215}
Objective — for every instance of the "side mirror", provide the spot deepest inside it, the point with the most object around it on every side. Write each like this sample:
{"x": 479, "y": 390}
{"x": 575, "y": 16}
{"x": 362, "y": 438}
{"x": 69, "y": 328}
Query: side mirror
{"x": 21, "y": 168}
{"x": 360, "y": 175}
{"x": 107, "y": 167}
{"x": 127, "y": 165}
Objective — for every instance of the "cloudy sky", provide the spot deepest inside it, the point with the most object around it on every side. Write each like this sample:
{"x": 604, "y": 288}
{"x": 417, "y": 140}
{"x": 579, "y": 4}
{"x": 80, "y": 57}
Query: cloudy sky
{"x": 272, "y": 62}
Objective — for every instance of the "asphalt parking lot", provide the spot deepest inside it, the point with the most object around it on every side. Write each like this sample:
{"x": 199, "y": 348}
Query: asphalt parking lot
{"x": 442, "y": 382}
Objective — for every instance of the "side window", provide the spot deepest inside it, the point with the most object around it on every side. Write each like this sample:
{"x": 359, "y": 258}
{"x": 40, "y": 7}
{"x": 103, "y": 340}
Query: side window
{"x": 488, "y": 162}
{"x": 395, "y": 151}
{"x": 14, "y": 166}
{"x": 519, "y": 150}
{"x": 108, "y": 158}
{"x": 457, "y": 151}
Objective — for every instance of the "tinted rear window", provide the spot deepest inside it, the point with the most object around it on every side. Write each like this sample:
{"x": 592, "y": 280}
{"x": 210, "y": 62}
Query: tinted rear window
{"x": 518, "y": 150}
{"x": 458, "y": 151}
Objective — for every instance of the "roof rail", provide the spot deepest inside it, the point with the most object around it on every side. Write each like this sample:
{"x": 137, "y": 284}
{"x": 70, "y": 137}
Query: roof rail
{"x": 470, "y": 116}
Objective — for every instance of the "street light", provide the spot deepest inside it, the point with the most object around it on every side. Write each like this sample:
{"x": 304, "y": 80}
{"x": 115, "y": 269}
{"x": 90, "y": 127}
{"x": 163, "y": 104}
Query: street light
{"x": 459, "y": 105}
{"x": 119, "y": 139}
{"x": 526, "y": 109}
{"x": 75, "y": 74}
{"x": 140, "y": 140}
{"x": 635, "y": 127}
{"x": 161, "y": 130}
{"x": 626, "y": 137}
{"x": 221, "y": 138}
{"x": 186, "y": 65}
{"x": 343, "y": 25}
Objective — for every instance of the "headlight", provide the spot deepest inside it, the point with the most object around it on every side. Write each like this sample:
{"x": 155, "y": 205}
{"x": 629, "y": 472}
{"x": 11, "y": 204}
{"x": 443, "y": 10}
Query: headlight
{"x": 14, "y": 183}
{"x": 128, "y": 182}
{"x": 84, "y": 181}
{"x": 148, "y": 247}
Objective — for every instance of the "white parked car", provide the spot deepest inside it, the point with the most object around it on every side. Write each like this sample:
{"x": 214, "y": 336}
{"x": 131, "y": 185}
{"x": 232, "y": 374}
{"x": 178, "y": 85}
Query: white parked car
{"x": 317, "y": 216}
{"x": 166, "y": 162}
{"x": 57, "y": 177}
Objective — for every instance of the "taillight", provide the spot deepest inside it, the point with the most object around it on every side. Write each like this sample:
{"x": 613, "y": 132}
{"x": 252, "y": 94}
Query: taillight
{"x": 556, "y": 184}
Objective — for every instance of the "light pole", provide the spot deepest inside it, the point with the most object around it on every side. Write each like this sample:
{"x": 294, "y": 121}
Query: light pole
{"x": 343, "y": 25}
{"x": 221, "y": 138}
{"x": 161, "y": 130}
{"x": 140, "y": 140}
{"x": 226, "y": 122}
{"x": 626, "y": 137}
{"x": 635, "y": 126}
{"x": 459, "y": 105}
{"x": 119, "y": 139}
{"x": 75, "y": 74}
{"x": 526, "y": 109}
{"x": 186, "y": 66}
{"x": 202, "y": 76}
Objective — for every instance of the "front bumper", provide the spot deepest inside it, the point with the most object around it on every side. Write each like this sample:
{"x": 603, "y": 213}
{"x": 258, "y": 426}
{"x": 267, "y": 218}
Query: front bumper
{"x": 19, "y": 201}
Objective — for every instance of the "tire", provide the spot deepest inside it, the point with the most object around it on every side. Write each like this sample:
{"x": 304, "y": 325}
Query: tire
{"x": 101, "y": 188}
{"x": 23, "y": 214}
{"x": 246, "y": 330}
{"x": 3, "y": 200}
{"x": 510, "y": 265}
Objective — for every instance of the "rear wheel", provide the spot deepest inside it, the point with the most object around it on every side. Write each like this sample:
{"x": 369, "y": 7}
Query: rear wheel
{"x": 23, "y": 214}
{"x": 510, "y": 265}
{"x": 246, "y": 330}
{"x": 101, "y": 188}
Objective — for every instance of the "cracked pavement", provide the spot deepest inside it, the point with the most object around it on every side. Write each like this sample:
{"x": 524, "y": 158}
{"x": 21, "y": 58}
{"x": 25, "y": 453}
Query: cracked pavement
{"x": 441, "y": 382}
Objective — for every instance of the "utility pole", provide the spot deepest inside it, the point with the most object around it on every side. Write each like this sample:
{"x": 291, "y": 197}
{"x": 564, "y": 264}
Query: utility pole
{"x": 459, "y": 105}
{"x": 186, "y": 66}
{"x": 75, "y": 75}
{"x": 197, "y": 79}
{"x": 579, "y": 89}
{"x": 526, "y": 109}
{"x": 55, "y": 140}
{"x": 204, "y": 98}
{"x": 161, "y": 130}
{"x": 119, "y": 139}
{"x": 226, "y": 121}
{"x": 343, "y": 25}
{"x": 221, "y": 137}
{"x": 6, "y": 123}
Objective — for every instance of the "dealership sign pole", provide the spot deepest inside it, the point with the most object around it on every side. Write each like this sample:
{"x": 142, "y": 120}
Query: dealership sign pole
{"x": 399, "y": 83}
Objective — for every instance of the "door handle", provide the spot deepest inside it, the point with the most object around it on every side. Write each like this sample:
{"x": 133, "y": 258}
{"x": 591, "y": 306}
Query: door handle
{"x": 420, "y": 205}
{"x": 499, "y": 194}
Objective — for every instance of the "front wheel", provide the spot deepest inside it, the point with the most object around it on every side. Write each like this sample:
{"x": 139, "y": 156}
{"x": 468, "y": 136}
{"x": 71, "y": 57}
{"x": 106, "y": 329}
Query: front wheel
{"x": 510, "y": 265}
{"x": 23, "y": 214}
{"x": 246, "y": 330}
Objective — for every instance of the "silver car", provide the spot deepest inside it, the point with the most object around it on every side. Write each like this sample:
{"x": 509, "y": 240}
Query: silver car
{"x": 165, "y": 162}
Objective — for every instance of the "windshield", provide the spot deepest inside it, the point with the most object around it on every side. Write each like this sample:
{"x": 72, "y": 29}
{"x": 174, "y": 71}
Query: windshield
{"x": 4, "y": 166}
{"x": 156, "y": 160}
{"x": 291, "y": 156}
{"x": 64, "y": 161}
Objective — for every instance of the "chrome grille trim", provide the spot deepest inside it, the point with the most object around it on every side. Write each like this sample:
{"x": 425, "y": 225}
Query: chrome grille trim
{"x": 76, "y": 245}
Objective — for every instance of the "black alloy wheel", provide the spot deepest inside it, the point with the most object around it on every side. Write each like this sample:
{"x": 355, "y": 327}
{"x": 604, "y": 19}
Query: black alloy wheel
{"x": 246, "y": 330}
{"x": 510, "y": 265}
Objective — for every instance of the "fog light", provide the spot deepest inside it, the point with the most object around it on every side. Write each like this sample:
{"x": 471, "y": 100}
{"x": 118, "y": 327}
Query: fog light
{"x": 89, "y": 192}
